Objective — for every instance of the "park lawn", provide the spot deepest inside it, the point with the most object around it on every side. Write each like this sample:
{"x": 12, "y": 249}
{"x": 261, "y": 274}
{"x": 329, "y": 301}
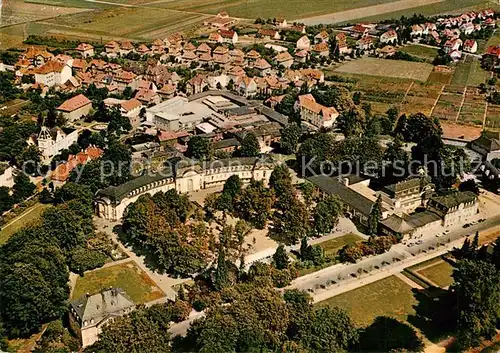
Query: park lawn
{"x": 440, "y": 273}
{"x": 421, "y": 52}
{"x": 387, "y": 68}
{"x": 127, "y": 276}
{"x": 294, "y": 9}
{"x": 29, "y": 216}
{"x": 389, "y": 296}
{"x": 330, "y": 247}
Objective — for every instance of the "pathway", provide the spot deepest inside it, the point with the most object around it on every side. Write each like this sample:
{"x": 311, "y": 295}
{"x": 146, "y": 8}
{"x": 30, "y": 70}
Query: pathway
{"x": 164, "y": 282}
{"x": 408, "y": 281}
{"x": 437, "y": 100}
{"x": 462, "y": 103}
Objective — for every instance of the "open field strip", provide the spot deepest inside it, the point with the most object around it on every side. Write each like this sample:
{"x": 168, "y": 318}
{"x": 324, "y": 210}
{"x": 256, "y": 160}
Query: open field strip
{"x": 374, "y": 10}
{"x": 379, "y": 67}
{"x": 29, "y": 216}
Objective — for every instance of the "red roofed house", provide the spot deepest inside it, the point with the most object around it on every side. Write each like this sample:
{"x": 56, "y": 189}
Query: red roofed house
{"x": 342, "y": 43}
{"x": 130, "y": 108}
{"x": 262, "y": 66}
{"x": 315, "y": 113}
{"x": 62, "y": 171}
{"x": 76, "y": 107}
{"x": 269, "y": 34}
{"x": 361, "y": 30}
{"x": 229, "y": 36}
{"x": 284, "y": 59}
{"x": 365, "y": 43}
{"x": 452, "y": 45}
{"x": 389, "y": 37}
{"x": 494, "y": 51}
{"x": 470, "y": 45}
{"x": 303, "y": 43}
{"x": 85, "y": 49}
{"x": 53, "y": 73}
{"x": 321, "y": 37}
{"x": 321, "y": 49}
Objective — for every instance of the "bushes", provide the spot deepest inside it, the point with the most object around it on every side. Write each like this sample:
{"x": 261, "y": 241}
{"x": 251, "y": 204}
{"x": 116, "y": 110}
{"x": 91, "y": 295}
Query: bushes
{"x": 374, "y": 246}
{"x": 82, "y": 259}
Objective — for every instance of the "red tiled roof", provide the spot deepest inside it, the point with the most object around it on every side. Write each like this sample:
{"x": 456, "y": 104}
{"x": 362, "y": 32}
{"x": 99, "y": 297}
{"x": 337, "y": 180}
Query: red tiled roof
{"x": 131, "y": 104}
{"x": 50, "y": 66}
{"x": 74, "y": 103}
{"x": 84, "y": 47}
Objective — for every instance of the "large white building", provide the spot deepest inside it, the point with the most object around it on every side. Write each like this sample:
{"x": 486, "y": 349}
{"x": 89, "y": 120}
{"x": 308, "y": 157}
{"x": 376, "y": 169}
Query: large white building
{"x": 54, "y": 73}
{"x": 6, "y": 175}
{"x": 51, "y": 142}
{"x": 187, "y": 177}
{"x": 178, "y": 113}
{"x": 88, "y": 314}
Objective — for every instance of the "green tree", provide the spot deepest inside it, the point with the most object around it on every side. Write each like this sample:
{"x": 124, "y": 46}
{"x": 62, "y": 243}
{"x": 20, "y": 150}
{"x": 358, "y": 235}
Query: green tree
{"x": 143, "y": 330}
{"x": 280, "y": 258}
{"x": 82, "y": 259}
{"x": 375, "y": 217}
{"x": 281, "y": 180}
{"x": 250, "y": 146}
{"x": 477, "y": 285}
{"x": 222, "y": 272}
{"x": 290, "y": 137}
{"x": 387, "y": 334}
{"x": 290, "y": 222}
{"x": 23, "y": 187}
{"x": 254, "y": 204}
{"x": 200, "y": 148}
{"x": 6, "y": 201}
{"x": 331, "y": 330}
{"x": 352, "y": 122}
{"x": 326, "y": 214}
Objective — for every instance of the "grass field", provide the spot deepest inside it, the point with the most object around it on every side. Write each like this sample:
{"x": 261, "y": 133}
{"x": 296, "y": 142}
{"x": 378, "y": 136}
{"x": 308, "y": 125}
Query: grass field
{"x": 126, "y": 276}
{"x": 331, "y": 246}
{"x": 439, "y": 273}
{"x": 387, "y": 68}
{"x": 420, "y": 51}
{"x": 469, "y": 73}
{"x": 436, "y": 270}
{"x": 29, "y": 216}
{"x": 389, "y": 296}
{"x": 293, "y": 9}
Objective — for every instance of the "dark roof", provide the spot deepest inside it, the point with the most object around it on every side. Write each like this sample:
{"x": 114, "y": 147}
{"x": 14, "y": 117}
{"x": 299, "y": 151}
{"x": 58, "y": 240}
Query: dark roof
{"x": 406, "y": 185}
{"x": 407, "y": 223}
{"x": 118, "y": 193}
{"x": 243, "y": 110}
{"x": 348, "y": 196}
{"x": 454, "y": 199}
{"x": 488, "y": 142}
{"x": 226, "y": 143}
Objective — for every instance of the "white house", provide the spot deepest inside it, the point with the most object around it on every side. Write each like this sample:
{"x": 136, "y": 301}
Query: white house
{"x": 303, "y": 43}
{"x": 389, "y": 37}
{"x": 53, "y": 73}
{"x": 51, "y": 142}
{"x": 470, "y": 45}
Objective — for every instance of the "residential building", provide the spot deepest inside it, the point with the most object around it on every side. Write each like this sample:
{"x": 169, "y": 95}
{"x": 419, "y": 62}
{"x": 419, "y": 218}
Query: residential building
{"x": 365, "y": 43}
{"x": 315, "y": 113}
{"x": 321, "y": 49}
{"x": 269, "y": 34}
{"x": 6, "y": 175}
{"x": 76, "y": 107}
{"x": 452, "y": 45}
{"x": 284, "y": 59}
{"x": 53, "y": 73}
{"x": 85, "y": 50}
{"x": 303, "y": 43}
{"x": 262, "y": 66}
{"x": 321, "y": 37}
{"x": 247, "y": 87}
{"x": 90, "y": 313}
{"x": 487, "y": 145}
{"x": 51, "y": 142}
{"x": 470, "y": 46}
{"x": 230, "y": 37}
{"x": 342, "y": 46}
{"x": 416, "y": 31}
{"x": 389, "y": 37}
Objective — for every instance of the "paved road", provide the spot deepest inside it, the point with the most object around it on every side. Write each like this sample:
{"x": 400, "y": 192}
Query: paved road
{"x": 341, "y": 278}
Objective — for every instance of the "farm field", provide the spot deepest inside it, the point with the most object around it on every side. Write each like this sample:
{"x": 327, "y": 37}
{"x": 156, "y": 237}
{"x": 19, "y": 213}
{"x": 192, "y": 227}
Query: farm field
{"x": 379, "y": 67}
{"x": 31, "y": 215}
{"x": 72, "y": 3}
{"x": 469, "y": 73}
{"x": 446, "y": 6}
{"x": 294, "y": 9}
{"x": 448, "y": 106}
{"x": 389, "y": 296}
{"x": 331, "y": 246}
{"x": 493, "y": 116}
{"x": 117, "y": 22}
{"x": 18, "y": 11}
{"x": 126, "y": 276}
